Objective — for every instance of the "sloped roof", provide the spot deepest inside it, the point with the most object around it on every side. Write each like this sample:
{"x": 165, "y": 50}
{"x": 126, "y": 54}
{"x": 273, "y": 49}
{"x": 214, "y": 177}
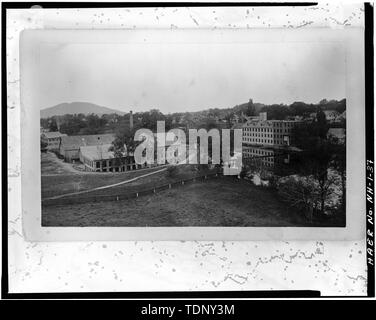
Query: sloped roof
{"x": 342, "y": 115}
{"x": 54, "y": 134}
{"x": 99, "y": 152}
{"x": 339, "y": 133}
{"x": 237, "y": 126}
{"x": 331, "y": 112}
{"x": 75, "y": 142}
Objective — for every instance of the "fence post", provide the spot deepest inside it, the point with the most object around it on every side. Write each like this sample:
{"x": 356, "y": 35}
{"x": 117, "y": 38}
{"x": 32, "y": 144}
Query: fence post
{"x": 136, "y": 194}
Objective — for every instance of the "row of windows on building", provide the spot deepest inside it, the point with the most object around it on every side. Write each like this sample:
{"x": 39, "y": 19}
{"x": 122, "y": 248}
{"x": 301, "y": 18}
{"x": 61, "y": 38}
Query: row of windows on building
{"x": 275, "y": 141}
{"x": 258, "y": 129}
{"x": 269, "y": 130}
{"x": 258, "y": 140}
{"x": 267, "y": 135}
{"x": 282, "y": 130}
{"x": 266, "y": 160}
{"x": 249, "y": 134}
{"x": 284, "y": 124}
{"x": 111, "y": 165}
{"x": 263, "y": 125}
{"x": 265, "y": 157}
{"x": 275, "y": 133}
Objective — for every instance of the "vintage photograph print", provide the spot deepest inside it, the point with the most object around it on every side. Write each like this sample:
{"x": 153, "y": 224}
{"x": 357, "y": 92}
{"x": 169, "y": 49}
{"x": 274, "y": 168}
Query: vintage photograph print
{"x": 192, "y": 133}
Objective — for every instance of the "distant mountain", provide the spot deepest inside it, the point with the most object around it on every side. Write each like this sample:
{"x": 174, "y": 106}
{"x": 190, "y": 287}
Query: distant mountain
{"x": 75, "y": 108}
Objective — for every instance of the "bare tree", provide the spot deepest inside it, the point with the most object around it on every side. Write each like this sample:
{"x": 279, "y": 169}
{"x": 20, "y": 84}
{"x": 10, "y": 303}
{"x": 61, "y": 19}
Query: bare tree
{"x": 300, "y": 193}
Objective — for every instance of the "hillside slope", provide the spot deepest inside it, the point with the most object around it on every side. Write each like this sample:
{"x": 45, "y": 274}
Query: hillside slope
{"x": 75, "y": 108}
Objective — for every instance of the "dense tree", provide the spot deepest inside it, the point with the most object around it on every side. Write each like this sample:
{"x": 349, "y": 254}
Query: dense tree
{"x": 339, "y": 164}
{"x": 277, "y": 111}
{"x": 309, "y": 135}
{"x": 43, "y": 145}
{"x": 124, "y": 144}
{"x": 52, "y": 125}
{"x": 300, "y": 193}
{"x": 172, "y": 171}
{"x": 318, "y": 155}
{"x": 251, "y": 110}
{"x": 339, "y": 106}
{"x": 300, "y": 108}
{"x": 150, "y": 118}
{"x": 315, "y": 163}
{"x": 321, "y": 124}
{"x": 304, "y": 135}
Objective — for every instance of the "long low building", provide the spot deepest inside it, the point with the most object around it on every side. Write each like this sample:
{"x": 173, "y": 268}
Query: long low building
{"x": 52, "y": 139}
{"x": 100, "y": 159}
{"x": 265, "y": 132}
{"x": 70, "y": 145}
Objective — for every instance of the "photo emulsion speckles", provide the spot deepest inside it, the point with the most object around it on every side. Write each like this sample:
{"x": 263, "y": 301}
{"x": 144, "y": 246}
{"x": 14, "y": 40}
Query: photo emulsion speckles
{"x": 193, "y": 134}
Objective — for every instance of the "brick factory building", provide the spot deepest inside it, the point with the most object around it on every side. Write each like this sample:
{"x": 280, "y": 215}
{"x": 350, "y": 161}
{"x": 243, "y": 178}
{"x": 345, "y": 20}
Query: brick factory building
{"x": 265, "y": 132}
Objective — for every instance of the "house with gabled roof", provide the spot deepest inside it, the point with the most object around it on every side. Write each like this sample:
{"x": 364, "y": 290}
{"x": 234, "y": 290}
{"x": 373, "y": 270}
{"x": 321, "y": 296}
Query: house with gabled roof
{"x": 70, "y": 145}
{"x": 101, "y": 158}
{"x": 52, "y": 139}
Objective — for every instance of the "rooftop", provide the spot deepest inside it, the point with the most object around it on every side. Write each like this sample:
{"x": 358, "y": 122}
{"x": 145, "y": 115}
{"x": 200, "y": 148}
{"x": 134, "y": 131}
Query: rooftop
{"x": 99, "y": 152}
{"x": 53, "y": 134}
{"x": 75, "y": 142}
{"x": 339, "y": 133}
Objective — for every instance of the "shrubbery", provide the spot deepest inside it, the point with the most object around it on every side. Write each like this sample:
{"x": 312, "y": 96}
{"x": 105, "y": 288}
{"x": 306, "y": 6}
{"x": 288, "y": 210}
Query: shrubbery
{"x": 172, "y": 171}
{"x": 300, "y": 193}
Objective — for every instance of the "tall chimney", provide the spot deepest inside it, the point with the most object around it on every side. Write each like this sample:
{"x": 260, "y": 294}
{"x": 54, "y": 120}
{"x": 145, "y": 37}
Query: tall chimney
{"x": 58, "y": 123}
{"x": 131, "y": 120}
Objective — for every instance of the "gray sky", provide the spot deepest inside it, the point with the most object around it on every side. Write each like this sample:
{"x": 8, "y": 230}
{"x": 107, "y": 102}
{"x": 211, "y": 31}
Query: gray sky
{"x": 190, "y": 77}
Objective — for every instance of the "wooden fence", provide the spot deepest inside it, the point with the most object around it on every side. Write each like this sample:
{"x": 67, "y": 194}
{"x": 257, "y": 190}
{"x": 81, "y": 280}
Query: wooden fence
{"x": 81, "y": 198}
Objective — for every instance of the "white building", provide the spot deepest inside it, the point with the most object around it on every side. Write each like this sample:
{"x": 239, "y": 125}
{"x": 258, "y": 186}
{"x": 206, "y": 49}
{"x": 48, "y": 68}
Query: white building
{"x": 268, "y": 132}
{"x": 53, "y": 139}
{"x": 331, "y": 115}
{"x": 70, "y": 145}
{"x": 337, "y": 133}
{"x": 100, "y": 159}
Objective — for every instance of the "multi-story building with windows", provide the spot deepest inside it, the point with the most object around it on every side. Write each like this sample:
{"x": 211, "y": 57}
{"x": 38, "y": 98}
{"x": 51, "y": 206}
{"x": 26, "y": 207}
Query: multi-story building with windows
{"x": 100, "y": 158}
{"x": 265, "y": 132}
{"x": 52, "y": 140}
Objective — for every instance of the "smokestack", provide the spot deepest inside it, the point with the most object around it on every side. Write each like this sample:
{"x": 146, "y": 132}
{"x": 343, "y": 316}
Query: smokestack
{"x": 58, "y": 123}
{"x": 131, "y": 120}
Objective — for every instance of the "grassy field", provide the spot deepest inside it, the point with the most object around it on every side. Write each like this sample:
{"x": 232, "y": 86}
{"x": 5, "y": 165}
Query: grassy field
{"x": 52, "y": 165}
{"x": 59, "y": 177}
{"x": 224, "y": 201}
{"x": 54, "y": 185}
{"x": 62, "y": 184}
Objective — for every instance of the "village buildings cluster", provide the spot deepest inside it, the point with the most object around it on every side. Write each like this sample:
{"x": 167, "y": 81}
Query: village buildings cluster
{"x": 96, "y": 155}
{"x": 259, "y": 131}
{"x": 264, "y": 132}
{"x": 93, "y": 151}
